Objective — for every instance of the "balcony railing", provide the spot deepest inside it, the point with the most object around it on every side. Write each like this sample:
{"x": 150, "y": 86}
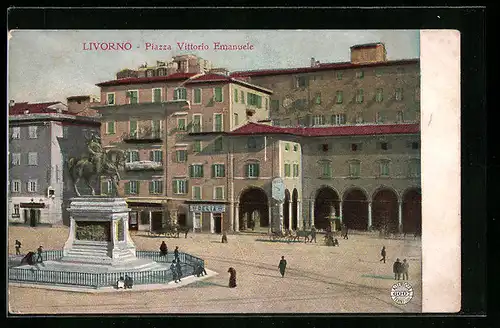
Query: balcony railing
{"x": 143, "y": 165}
{"x": 143, "y": 136}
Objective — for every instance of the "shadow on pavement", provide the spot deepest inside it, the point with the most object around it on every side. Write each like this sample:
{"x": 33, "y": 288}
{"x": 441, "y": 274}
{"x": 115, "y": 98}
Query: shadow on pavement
{"x": 204, "y": 283}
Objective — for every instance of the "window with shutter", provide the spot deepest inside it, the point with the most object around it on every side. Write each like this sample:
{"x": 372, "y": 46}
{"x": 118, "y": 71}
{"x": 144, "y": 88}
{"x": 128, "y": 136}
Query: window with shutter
{"x": 127, "y": 187}
{"x": 196, "y": 126}
{"x": 242, "y": 94}
{"x": 197, "y": 96}
{"x": 384, "y": 168}
{"x": 236, "y": 93}
{"x": 197, "y": 146}
{"x": 157, "y": 95}
{"x": 32, "y": 132}
{"x": 111, "y": 98}
{"x": 133, "y": 129}
{"x": 218, "y": 123}
{"x": 197, "y": 192}
{"x": 133, "y": 96}
{"x": 218, "y": 94}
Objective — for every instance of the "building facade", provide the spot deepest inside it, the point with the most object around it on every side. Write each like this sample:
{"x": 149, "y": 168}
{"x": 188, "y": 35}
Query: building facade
{"x": 343, "y": 137}
{"x": 368, "y": 89}
{"x": 42, "y": 137}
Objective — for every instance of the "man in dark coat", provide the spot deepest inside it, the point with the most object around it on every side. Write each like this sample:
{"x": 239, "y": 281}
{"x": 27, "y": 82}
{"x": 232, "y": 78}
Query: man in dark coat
{"x": 232, "y": 277}
{"x": 178, "y": 269}
{"x": 345, "y": 232}
{"x": 40, "y": 252}
{"x": 129, "y": 282}
{"x": 163, "y": 249}
{"x": 313, "y": 234}
{"x": 224, "y": 238}
{"x": 405, "y": 267}
{"x": 176, "y": 253}
{"x": 28, "y": 259}
{"x": 18, "y": 247}
{"x": 173, "y": 269}
{"x": 382, "y": 253}
{"x": 282, "y": 266}
{"x": 397, "y": 268}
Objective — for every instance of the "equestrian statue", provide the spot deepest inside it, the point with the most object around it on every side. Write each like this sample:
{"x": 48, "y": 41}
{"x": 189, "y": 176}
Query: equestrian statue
{"x": 98, "y": 163}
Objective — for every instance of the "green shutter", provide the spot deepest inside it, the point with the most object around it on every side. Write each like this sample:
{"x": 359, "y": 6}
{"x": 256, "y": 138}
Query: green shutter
{"x": 174, "y": 186}
{"x": 223, "y": 170}
{"x": 151, "y": 156}
{"x": 191, "y": 171}
{"x": 257, "y": 170}
{"x": 133, "y": 127}
{"x": 151, "y": 187}
{"x": 160, "y": 187}
{"x": 201, "y": 173}
{"x": 218, "y": 94}
{"x": 127, "y": 187}
{"x": 259, "y": 101}
{"x": 235, "y": 95}
{"x": 186, "y": 185}
{"x": 138, "y": 184}
{"x": 213, "y": 170}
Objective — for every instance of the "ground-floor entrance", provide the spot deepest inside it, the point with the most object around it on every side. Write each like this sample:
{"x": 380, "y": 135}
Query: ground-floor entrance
{"x": 207, "y": 217}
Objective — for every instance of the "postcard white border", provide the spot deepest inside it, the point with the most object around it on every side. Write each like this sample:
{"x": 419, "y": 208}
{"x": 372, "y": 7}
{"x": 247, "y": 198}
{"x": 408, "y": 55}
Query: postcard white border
{"x": 440, "y": 153}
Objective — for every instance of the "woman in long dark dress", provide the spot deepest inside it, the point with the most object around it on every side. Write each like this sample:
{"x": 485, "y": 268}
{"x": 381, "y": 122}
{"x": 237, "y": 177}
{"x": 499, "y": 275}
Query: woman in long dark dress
{"x": 232, "y": 277}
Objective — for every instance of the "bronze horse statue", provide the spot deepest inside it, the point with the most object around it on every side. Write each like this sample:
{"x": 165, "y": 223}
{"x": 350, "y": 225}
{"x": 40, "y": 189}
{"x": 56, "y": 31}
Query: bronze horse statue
{"x": 97, "y": 163}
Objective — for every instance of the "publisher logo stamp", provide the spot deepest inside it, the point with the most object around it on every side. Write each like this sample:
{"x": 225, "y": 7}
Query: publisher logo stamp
{"x": 401, "y": 293}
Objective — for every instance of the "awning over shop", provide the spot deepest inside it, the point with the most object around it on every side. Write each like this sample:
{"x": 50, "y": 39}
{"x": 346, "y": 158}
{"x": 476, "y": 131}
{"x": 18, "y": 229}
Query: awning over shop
{"x": 32, "y": 205}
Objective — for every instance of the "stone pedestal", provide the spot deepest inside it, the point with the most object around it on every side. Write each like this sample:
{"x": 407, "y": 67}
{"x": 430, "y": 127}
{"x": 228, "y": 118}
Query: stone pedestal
{"x": 99, "y": 237}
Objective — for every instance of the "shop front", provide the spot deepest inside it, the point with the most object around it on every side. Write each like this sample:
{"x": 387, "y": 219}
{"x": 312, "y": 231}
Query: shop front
{"x": 145, "y": 216}
{"x": 208, "y": 217}
{"x": 32, "y": 212}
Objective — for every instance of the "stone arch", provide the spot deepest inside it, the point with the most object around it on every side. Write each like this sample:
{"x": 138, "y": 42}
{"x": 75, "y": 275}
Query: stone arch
{"x": 325, "y": 198}
{"x": 253, "y": 200}
{"x": 385, "y": 209}
{"x": 412, "y": 210}
{"x": 355, "y": 208}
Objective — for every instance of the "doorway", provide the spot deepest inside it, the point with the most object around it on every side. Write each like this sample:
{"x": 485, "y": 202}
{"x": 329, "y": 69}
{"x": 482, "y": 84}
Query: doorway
{"x": 181, "y": 219}
{"x": 32, "y": 217}
{"x": 217, "y": 217}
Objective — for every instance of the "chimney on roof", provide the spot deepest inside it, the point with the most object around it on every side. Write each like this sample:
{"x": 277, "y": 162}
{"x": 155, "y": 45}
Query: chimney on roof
{"x": 313, "y": 61}
{"x": 12, "y": 103}
{"x": 221, "y": 71}
{"x": 368, "y": 53}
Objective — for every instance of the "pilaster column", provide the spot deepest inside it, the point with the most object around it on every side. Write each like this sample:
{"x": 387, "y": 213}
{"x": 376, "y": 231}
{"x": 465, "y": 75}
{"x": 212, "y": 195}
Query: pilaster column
{"x": 369, "y": 214}
{"x": 150, "y": 221}
{"x": 270, "y": 216}
{"x": 340, "y": 211}
{"x": 125, "y": 229}
{"x": 113, "y": 233}
{"x": 290, "y": 214}
{"x": 311, "y": 215}
{"x": 400, "y": 216}
{"x": 236, "y": 224}
{"x": 299, "y": 215}
{"x": 280, "y": 216}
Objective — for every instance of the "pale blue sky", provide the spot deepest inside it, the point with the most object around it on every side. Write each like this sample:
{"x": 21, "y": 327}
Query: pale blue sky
{"x": 52, "y": 65}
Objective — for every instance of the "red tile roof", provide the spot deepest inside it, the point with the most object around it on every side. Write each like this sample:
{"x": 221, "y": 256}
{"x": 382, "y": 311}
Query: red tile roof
{"x": 220, "y": 78}
{"x": 346, "y": 130}
{"x": 321, "y": 67}
{"x": 140, "y": 80}
{"x": 38, "y": 108}
{"x": 209, "y": 78}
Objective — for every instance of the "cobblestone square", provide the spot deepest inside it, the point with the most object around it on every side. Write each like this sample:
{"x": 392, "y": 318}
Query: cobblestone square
{"x": 318, "y": 279}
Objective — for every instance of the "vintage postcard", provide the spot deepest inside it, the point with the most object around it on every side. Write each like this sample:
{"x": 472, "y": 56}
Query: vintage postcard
{"x": 256, "y": 171}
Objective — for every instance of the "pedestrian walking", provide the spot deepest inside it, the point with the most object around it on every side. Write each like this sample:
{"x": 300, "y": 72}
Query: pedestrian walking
{"x": 382, "y": 253}
{"x": 18, "y": 247}
{"x": 163, "y": 249}
{"x": 313, "y": 234}
{"x": 335, "y": 242}
{"x": 397, "y": 268}
{"x": 406, "y": 266}
{"x": 282, "y": 266}
{"x": 176, "y": 253}
{"x": 40, "y": 252}
{"x": 224, "y": 238}
{"x": 173, "y": 269}
{"x": 232, "y": 277}
{"x": 346, "y": 230}
{"x": 178, "y": 269}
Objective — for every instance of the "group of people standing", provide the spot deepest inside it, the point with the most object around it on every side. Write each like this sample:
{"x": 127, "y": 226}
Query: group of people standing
{"x": 400, "y": 269}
